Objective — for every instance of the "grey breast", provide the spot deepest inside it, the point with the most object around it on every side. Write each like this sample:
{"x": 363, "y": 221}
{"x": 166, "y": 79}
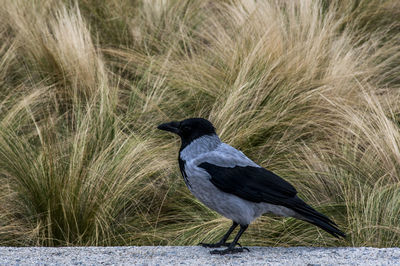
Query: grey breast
{"x": 211, "y": 149}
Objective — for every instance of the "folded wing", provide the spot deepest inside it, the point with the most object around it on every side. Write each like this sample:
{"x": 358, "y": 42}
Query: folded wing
{"x": 252, "y": 183}
{"x": 257, "y": 184}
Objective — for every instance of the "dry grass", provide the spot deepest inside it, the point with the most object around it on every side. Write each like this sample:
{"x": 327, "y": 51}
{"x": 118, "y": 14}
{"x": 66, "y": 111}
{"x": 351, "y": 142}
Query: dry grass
{"x": 309, "y": 89}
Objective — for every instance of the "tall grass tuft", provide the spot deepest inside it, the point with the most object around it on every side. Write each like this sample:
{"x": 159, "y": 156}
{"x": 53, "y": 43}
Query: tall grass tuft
{"x": 308, "y": 89}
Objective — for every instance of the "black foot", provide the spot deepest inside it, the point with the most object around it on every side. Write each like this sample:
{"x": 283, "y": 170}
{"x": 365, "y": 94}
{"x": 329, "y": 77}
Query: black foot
{"x": 213, "y": 245}
{"x": 229, "y": 251}
{"x": 217, "y": 245}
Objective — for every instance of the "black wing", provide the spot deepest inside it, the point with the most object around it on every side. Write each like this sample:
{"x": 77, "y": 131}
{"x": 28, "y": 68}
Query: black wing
{"x": 257, "y": 184}
{"x": 254, "y": 184}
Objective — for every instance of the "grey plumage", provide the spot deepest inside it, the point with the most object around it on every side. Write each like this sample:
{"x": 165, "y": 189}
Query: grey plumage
{"x": 210, "y": 149}
{"x": 227, "y": 181}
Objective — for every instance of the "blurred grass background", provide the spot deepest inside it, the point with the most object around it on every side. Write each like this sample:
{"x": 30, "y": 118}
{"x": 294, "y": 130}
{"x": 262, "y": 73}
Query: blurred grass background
{"x": 309, "y": 89}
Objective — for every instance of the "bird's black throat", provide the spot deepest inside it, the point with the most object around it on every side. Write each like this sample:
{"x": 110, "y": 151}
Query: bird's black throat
{"x": 182, "y": 168}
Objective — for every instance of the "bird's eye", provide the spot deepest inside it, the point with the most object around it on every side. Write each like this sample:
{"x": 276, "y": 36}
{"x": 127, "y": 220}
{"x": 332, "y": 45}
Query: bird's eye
{"x": 186, "y": 128}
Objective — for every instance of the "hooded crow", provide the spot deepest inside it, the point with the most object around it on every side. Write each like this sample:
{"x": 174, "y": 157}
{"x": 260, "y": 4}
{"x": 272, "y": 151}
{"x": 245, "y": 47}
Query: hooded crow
{"x": 225, "y": 180}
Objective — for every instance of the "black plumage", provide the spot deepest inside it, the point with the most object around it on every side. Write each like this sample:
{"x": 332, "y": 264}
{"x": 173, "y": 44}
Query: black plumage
{"x": 227, "y": 181}
{"x": 257, "y": 184}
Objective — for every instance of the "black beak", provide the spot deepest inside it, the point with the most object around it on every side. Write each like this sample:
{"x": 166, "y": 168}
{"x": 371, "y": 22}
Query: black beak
{"x": 171, "y": 127}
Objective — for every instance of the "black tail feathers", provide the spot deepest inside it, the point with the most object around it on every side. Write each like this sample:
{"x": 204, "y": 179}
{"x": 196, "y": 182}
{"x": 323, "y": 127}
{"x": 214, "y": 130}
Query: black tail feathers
{"x": 312, "y": 216}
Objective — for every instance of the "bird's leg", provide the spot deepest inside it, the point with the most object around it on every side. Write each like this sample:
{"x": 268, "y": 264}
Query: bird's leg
{"x": 222, "y": 242}
{"x": 231, "y": 248}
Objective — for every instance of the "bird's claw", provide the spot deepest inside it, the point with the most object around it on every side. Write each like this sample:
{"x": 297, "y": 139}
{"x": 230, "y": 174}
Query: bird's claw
{"x": 217, "y": 245}
{"x": 212, "y": 245}
{"x": 229, "y": 251}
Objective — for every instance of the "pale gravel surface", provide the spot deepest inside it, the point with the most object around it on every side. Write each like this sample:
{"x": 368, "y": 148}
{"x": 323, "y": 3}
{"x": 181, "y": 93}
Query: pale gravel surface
{"x": 197, "y": 256}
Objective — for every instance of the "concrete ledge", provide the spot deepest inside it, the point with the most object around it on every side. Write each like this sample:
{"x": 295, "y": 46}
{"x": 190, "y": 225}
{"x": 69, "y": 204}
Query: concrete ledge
{"x": 197, "y": 256}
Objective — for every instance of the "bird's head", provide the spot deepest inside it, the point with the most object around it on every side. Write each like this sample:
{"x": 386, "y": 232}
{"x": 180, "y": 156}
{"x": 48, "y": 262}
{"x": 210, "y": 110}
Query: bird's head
{"x": 189, "y": 129}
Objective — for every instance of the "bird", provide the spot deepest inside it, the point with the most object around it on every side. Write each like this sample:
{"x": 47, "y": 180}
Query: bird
{"x": 228, "y": 182}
